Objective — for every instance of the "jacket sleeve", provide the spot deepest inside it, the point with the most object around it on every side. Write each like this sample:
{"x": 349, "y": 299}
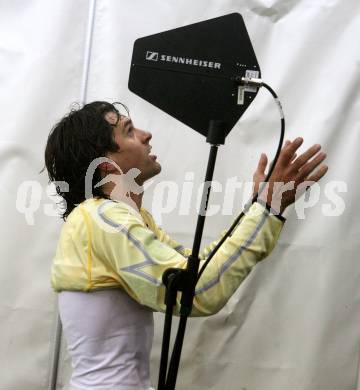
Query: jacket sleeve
{"x": 140, "y": 254}
{"x": 162, "y": 236}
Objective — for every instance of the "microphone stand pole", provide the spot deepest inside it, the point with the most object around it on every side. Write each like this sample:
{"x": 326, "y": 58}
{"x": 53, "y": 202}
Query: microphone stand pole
{"x": 184, "y": 280}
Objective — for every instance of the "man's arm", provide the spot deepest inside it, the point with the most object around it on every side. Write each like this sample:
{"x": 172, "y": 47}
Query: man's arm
{"x": 140, "y": 258}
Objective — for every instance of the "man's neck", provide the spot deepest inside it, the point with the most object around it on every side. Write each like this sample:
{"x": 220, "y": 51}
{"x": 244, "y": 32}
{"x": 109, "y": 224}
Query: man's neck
{"x": 137, "y": 198}
{"x": 134, "y": 200}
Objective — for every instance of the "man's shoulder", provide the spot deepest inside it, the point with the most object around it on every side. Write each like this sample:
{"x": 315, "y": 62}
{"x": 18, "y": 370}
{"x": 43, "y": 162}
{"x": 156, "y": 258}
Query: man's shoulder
{"x": 99, "y": 205}
{"x": 100, "y": 212}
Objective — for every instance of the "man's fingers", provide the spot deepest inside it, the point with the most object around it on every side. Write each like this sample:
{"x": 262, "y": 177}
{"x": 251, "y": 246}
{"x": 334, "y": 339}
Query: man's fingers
{"x": 262, "y": 163}
{"x": 305, "y": 157}
{"x": 307, "y": 168}
{"x": 293, "y": 157}
{"x": 308, "y": 182}
{"x": 289, "y": 150}
{"x": 318, "y": 174}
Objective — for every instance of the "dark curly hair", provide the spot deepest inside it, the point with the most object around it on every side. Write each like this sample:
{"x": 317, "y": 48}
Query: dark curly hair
{"x": 80, "y": 137}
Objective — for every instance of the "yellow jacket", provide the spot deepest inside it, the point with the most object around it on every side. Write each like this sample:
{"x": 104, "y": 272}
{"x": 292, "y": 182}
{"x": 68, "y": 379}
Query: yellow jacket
{"x": 107, "y": 244}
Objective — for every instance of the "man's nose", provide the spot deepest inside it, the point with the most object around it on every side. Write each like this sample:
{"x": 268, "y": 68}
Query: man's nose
{"x": 145, "y": 135}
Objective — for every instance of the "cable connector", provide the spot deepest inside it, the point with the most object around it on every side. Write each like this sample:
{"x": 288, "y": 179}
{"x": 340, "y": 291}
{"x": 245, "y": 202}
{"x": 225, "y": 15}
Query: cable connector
{"x": 251, "y": 82}
{"x": 247, "y": 84}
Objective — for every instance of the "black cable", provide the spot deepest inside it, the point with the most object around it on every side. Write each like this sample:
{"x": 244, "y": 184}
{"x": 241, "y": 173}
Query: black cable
{"x": 258, "y": 83}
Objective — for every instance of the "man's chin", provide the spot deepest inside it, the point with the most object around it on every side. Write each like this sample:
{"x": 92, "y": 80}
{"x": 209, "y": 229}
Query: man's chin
{"x": 157, "y": 168}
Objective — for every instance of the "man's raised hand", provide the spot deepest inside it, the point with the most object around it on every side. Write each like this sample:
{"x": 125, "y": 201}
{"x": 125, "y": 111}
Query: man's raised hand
{"x": 291, "y": 176}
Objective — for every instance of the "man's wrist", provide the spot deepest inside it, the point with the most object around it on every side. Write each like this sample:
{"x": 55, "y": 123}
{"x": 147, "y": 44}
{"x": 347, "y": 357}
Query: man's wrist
{"x": 277, "y": 212}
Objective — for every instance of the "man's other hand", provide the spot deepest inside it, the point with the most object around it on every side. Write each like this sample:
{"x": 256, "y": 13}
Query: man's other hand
{"x": 292, "y": 175}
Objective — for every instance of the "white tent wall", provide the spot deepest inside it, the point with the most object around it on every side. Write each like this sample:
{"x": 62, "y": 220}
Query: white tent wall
{"x": 294, "y": 323}
{"x": 41, "y": 64}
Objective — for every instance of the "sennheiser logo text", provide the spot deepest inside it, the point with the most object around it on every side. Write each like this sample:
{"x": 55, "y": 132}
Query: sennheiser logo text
{"x": 154, "y": 56}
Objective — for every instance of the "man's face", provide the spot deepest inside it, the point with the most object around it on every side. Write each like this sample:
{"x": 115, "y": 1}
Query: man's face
{"x": 134, "y": 148}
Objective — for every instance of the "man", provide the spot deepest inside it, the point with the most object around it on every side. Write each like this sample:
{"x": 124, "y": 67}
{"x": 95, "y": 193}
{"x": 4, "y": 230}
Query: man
{"x": 111, "y": 254}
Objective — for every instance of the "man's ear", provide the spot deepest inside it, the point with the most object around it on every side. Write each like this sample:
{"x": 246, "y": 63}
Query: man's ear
{"x": 107, "y": 167}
